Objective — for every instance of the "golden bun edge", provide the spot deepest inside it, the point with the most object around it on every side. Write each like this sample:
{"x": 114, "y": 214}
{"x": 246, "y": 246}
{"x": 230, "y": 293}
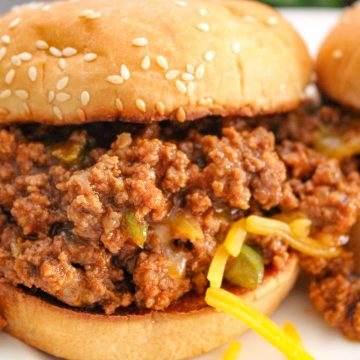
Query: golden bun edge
{"x": 148, "y": 60}
{"x": 338, "y": 61}
{"x": 187, "y": 329}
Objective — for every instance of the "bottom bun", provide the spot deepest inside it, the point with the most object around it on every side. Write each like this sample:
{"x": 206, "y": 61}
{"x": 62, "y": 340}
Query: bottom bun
{"x": 186, "y": 329}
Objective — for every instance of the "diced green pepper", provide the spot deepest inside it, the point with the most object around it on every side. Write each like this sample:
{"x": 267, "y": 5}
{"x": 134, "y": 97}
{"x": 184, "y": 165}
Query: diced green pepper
{"x": 68, "y": 152}
{"x": 136, "y": 230}
{"x": 247, "y": 270}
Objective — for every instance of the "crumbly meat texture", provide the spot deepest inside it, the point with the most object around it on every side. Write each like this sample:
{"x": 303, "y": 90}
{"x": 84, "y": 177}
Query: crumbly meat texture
{"x": 67, "y": 194}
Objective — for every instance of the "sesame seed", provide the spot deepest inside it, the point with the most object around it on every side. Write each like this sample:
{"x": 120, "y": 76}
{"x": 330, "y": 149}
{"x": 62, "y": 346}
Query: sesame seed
{"x": 22, "y": 94}
{"x": 90, "y": 14}
{"x": 337, "y": 54}
{"x": 25, "y": 56}
{"x": 249, "y": 19}
{"x": 32, "y": 73}
{"x": 55, "y": 51}
{"x": 86, "y": 12}
{"x": 235, "y": 47}
{"x": 85, "y": 98}
{"x": 93, "y": 16}
{"x": 62, "y": 83}
{"x": 124, "y": 72}
{"x": 145, "y": 63}
{"x": 140, "y": 104}
{"x": 10, "y": 77}
{"x": 190, "y": 69}
{"x": 172, "y": 74}
{"x": 62, "y": 63}
{"x": 5, "y": 94}
{"x": 181, "y": 86}
{"x": 16, "y": 60}
{"x": 206, "y": 101}
{"x": 58, "y": 113}
{"x": 46, "y": 8}
{"x": 42, "y": 45}
{"x": 69, "y": 51}
{"x": 90, "y": 57}
{"x": 209, "y": 55}
{"x": 272, "y": 21}
{"x": 200, "y": 71}
{"x": 181, "y": 3}
{"x": 191, "y": 88}
{"x": 188, "y": 77}
{"x": 51, "y": 96}
{"x": 203, "y": 11}
{"x": 162, "y": 62}
{"x": 63, "y": 97}
{"x": 26, "y": 108}
{"x": 81, "y": 114}
{"x": 119, "y": 105}
{"x": 2, "y": 52}
{"x": 6, "y": 39}
{"x": 14, "y": 23}
{"x": 203, "y": 27}
{"x": 140, "y": 41}
{"x": 115, "y": 79}
{"x": 180, "y": 114}
{"x": 160, "y": 108}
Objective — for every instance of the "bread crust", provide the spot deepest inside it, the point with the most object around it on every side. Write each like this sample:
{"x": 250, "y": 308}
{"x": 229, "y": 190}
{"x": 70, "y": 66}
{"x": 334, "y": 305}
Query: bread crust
{"x": 338, "y": 61}
{"x": 81, "y": 61}
{"x": 186, "y": 329}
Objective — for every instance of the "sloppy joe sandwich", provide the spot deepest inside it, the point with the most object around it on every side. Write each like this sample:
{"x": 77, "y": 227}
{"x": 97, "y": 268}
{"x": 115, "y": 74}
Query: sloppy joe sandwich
{"x": 156, "y": 163}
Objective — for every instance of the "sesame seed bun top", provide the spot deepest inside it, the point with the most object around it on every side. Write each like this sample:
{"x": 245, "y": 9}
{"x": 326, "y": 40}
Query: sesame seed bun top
{"x": 338, "y": 62}
{"x": 147, "y": 60}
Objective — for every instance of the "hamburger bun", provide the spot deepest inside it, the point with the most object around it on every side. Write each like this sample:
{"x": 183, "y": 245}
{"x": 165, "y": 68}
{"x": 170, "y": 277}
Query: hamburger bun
{"x": 186, "y": 329}
{"x": 141, "y": 61}
{"x": 338, "y": 62}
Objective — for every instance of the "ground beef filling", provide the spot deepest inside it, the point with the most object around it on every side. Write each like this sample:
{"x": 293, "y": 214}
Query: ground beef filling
{"x": 94, "y": 220}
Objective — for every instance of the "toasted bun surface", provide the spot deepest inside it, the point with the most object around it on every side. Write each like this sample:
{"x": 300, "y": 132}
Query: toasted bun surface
{"x": 147, "y": 60}
{"x": 338, "y": 63}
{"x": 187, "y": 329}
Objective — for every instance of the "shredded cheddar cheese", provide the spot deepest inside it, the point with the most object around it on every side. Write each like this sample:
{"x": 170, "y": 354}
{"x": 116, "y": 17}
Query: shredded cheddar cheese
{"x": 217, "y": 267}
{"x": 300, "y": 228}
{"x": 225, "y": 301}
{"x": 264, "y": 226}
{"x": 291, "y": 330}
{"x": 235, "y": 237}
{"x": 233, "y": 351}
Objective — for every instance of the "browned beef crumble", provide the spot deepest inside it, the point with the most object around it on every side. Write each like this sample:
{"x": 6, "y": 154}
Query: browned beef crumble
{"x": 62, "y": 223}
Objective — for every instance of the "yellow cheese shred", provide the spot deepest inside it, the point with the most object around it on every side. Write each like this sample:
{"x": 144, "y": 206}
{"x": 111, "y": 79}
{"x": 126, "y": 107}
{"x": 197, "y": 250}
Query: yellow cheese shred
{"x": 217, "y": 267}
{"x": 291, "y": 330}
{"x": 225, "y": 301}
{"x": 235, "y": 237}
{"x": 264, "y": 226}
{"x": 233, "y": 351}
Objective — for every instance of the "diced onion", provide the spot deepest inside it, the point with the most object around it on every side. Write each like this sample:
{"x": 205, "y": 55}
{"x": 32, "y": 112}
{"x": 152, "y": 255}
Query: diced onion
{"x": 233, "y": 351}
{"x": 264, "y": 226}
{"x": 217, "y": 267}
{"x": 235, "y": 237}
{"x": 225, "y": 301}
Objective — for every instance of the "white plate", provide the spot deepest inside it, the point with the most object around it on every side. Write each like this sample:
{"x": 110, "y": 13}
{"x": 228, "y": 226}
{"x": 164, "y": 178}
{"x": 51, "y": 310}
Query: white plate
{"x": 321, "y": 341}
